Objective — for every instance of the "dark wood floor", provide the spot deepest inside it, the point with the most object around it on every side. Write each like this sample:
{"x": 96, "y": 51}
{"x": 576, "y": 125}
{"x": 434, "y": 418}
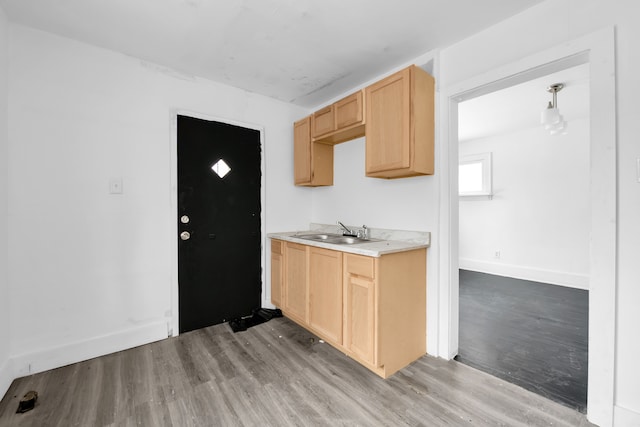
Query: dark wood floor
{"x": 528, "y": 333}
{"x": 274, "y": 374}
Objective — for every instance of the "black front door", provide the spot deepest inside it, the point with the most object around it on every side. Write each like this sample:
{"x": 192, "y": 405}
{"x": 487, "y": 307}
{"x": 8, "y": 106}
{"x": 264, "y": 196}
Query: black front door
{"x": 219, "y": 271}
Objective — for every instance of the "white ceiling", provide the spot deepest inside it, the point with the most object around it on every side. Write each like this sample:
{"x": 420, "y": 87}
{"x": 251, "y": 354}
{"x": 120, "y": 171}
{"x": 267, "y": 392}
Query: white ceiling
{"x": 300, "y": 51}
{"x": 518, "y": 107}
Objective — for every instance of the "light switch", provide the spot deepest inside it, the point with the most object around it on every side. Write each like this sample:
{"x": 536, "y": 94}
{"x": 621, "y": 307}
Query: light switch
{"x": 115, "y": 185}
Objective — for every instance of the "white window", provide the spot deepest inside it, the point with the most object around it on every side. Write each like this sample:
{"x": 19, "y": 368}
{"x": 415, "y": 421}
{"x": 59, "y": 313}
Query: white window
{"x": 474, "y": 175}
{"x": 221, "y": 168}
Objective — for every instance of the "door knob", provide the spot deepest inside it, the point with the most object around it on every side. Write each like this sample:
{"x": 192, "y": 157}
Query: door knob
{"x": 185, "y": 235}
{"x": 184, "y": 219}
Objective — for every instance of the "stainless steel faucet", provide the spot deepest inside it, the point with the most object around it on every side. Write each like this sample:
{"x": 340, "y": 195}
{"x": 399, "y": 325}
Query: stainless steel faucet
{"x": 361, "y": 233}
{"x": 347, "y": 231}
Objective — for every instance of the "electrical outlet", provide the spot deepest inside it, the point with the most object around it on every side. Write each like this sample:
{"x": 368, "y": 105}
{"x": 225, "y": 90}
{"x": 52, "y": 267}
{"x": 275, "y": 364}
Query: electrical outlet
{"x": 496, "y": 255}
{"x": 115, "y": 185}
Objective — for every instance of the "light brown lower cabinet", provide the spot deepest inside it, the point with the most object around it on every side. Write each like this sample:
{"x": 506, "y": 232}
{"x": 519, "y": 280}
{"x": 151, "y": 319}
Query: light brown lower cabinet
{"x": 372, "y": 309}
{"x": 325, "y": 293}
{"x": 360, "y": 318}
{"x": 295, "y": 288}
{"x": 277, "y": 268}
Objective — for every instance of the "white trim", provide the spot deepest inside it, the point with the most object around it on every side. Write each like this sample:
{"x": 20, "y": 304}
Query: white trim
{"x": 552, "y": 277}
{"x": 173, "y": 244}
{"x": 464, "y": 198}
{"x": 6, "y": 376}
{"x": 55, "y": 357}
{"x": 623, "y": 417}
{"x": 598, "y": 49}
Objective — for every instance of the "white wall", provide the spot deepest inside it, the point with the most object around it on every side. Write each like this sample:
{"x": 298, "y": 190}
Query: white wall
{"x": 401, "y": 204}
{"x": 543, "y": 27}
{"x": 538, "y": 218}
{"x": 6, "y": 376}
{"x": 355, "y": 199}
{"x": 90, "y": 272}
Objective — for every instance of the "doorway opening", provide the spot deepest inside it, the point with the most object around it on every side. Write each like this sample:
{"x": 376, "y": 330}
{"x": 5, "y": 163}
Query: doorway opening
{"x": 598, "y": 50}
{"x": 524, "y": 237}
{"x": 218, "y": 221}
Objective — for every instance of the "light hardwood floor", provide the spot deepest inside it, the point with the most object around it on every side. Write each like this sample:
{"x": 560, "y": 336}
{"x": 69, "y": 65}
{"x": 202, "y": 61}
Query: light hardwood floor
{"x": 274, "y": 374}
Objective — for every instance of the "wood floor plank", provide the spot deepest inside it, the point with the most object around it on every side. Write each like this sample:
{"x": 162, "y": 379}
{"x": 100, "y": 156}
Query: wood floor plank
{"x": 274, "y": 374}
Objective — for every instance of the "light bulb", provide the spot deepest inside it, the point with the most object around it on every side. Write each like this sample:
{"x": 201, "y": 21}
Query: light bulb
{"x": 550, "y": 116}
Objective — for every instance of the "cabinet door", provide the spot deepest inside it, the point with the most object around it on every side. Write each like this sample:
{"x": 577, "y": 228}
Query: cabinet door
{"x": 360, "y": 317}
{"x": 388, "y": 123}
{"x": 276, "y": 272}
{"x": 295, "y": 293}
{"x": 302, "y": 150}
{"x": 325, "y": 293}
{"x": 323, "y": 122}
{"x": 312, "y": 161}
{"x": 349, "y": 111}
{"x": 360, "y": 308}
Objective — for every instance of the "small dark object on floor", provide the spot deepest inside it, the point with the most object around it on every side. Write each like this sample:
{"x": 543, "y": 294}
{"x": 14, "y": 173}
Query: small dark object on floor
{"x": 28, "y": 402}
{"x": 259, "y": 316}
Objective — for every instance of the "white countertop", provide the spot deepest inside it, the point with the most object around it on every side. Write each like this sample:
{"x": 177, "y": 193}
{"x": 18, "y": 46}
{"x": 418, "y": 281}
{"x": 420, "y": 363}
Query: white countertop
{"x": 388, "y": 244}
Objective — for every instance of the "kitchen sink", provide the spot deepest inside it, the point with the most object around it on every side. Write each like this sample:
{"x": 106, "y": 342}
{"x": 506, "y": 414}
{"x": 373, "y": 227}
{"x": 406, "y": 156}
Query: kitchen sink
{"x": 320, "y": 237}
{"x": 335, "y": 239}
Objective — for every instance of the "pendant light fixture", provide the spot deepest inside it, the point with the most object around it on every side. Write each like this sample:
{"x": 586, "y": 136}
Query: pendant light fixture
{"x": 551, "y": 117}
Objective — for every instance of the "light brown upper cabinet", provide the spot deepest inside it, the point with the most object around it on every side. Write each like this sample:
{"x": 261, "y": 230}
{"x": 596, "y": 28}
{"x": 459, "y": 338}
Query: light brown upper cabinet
{"x": 396, "y": 115}
{"x": 400, "y": 125}
{"x": 312, "y": 161}
{"x": 341, "y": 121}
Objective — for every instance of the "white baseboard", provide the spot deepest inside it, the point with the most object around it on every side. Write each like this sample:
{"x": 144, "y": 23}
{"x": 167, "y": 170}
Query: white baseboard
{"x": 55, "y": 357}
{"x": 623, "y": 417}
{"x": 6, "y": 377}
{"x": 571, "y": 280}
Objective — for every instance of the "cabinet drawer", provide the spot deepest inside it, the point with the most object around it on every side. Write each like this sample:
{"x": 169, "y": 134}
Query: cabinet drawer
{"x": 323, "y": 121}
{"x": 360, "y": 265}
{"x": 349, "y": 110}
